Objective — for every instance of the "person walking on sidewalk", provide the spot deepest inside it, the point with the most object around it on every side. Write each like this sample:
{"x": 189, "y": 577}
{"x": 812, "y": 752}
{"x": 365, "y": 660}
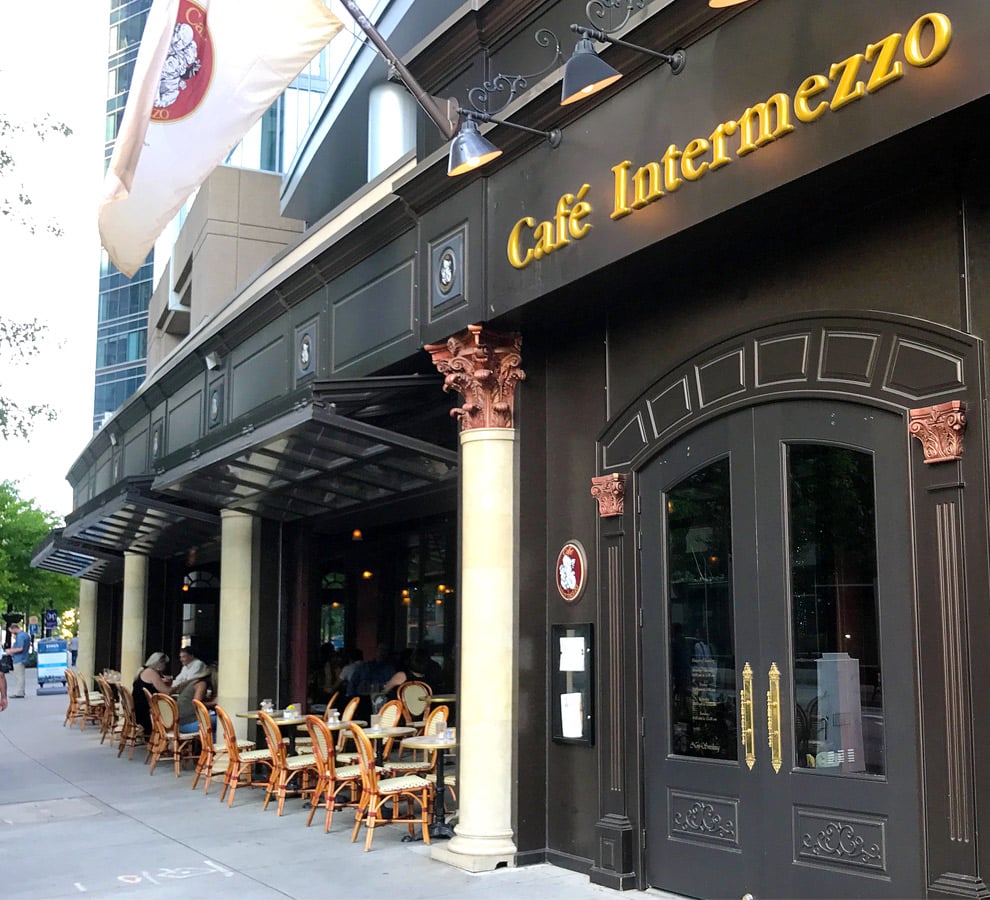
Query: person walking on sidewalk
{"x": 18, "y": 651}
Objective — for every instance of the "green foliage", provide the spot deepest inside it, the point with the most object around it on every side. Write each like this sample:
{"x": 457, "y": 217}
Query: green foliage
{"x": 22, "y": 527}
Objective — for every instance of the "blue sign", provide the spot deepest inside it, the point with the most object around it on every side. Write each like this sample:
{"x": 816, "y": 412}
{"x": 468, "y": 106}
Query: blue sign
{"x": 52, "y": 660}
{"x": 51, "y": 618}
{"x": 33, "y": 629}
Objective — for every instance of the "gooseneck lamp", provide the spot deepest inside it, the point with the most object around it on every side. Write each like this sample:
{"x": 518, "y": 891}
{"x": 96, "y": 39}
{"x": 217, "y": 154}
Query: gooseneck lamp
{"x": 586, "y": 73}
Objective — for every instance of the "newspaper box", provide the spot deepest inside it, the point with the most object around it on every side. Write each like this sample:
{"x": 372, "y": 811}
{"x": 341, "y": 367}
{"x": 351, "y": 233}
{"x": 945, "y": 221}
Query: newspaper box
{"x": 53, "y": 658}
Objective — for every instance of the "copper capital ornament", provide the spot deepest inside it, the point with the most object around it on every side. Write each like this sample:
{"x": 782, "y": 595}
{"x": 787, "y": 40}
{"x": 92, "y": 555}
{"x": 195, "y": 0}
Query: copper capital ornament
{"x": 940, "y": 429}
{"x": 482, "y": 366}
{"x": 610, "y": 492}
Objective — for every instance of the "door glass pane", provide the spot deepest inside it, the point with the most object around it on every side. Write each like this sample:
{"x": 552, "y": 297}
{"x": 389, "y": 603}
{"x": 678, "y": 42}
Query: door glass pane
{"x": 699, "y": 590}
{"x": 838, "y": 688}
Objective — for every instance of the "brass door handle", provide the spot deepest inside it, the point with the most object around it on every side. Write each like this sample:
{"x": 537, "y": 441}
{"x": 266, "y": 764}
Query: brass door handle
{"x": 746, "y": 703}
{"x": 773, "y": 718}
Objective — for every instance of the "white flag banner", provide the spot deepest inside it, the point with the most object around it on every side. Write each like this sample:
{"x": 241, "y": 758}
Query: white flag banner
{"x": 205, "y": 72}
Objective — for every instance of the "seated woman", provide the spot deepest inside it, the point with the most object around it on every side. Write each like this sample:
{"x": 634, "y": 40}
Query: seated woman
{"x": 198, "y": 688}
{"x": 153, "y": 678}
{"x": 419, "y": 669}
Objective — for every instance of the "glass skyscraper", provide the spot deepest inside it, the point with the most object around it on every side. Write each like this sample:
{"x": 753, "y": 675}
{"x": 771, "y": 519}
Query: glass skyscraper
{"x": 122, "y": 317}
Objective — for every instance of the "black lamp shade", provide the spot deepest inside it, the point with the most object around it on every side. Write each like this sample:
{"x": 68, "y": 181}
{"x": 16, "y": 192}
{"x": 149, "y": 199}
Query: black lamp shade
{"x": 469, "y": 149}
{"x": 585, "y": 74}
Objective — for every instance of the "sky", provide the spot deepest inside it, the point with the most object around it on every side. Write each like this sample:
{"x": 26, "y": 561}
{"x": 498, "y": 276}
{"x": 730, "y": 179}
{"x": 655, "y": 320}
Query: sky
{"x": 53, "y": 59}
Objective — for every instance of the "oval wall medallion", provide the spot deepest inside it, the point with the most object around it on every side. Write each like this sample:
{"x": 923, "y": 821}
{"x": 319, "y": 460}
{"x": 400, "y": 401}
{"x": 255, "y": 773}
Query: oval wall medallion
{"x": 447, "y": 270}
{"x": 305, "y": 353}
{"x": 572, "y": 571}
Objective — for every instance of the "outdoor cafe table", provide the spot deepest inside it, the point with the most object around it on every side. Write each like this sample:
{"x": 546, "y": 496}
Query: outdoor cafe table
{"x": 441, "y": 698}
{"x": 382, "y": 735}
{"x": 439, "y": 828}
{"x": 290, "y": 724}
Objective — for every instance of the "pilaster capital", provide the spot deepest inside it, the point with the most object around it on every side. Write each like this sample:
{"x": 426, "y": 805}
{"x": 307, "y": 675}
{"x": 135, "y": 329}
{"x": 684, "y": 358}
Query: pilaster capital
{"x": 483, "y": 367}
{"x": 940, "y": 429}
{"x": 610, "y": 492}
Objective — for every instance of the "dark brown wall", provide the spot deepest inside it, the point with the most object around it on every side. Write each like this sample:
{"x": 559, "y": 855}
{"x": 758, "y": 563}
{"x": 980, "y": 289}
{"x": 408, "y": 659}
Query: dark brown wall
{"x": 865, "y": 235}
{"x": 562, "y": 407}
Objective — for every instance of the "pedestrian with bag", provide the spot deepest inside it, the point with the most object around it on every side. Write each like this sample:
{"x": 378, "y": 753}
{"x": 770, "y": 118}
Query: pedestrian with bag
{"x": 5, "y": 664}
{"x": 18, "y": 654}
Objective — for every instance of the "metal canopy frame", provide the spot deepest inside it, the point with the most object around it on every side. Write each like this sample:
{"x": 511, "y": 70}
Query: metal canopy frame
{"x": 347, "y": 445}
{"x": 132, "y": 516}
{"x": 57, "y": 553}
{"x": 344, "y": 446}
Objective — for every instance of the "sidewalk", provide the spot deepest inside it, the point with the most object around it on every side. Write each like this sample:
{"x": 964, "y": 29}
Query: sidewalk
{"x": 75, "y": 819}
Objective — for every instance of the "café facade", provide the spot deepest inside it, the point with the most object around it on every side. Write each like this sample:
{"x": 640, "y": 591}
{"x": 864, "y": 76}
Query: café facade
{"x": 668, "y": 438}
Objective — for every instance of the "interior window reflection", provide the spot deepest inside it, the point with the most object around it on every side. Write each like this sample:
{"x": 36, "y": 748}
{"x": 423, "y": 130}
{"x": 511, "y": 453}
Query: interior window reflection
{"x": 838, "y": 688}
{"x": 699, "y": 588}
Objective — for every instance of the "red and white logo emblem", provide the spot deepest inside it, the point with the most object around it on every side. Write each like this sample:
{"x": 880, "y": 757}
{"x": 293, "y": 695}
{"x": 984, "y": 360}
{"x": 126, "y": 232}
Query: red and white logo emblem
{"x": 572, "y": 569}
{"x": 188, "y": 67}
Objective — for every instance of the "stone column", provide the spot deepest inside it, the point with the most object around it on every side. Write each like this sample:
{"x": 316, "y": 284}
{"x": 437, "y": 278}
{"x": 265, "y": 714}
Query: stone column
{"x": 132, "y": 629}
{"x": 484, "y": 367}
{"x": 86, "y": 624}
{"x": 237, "y": 660}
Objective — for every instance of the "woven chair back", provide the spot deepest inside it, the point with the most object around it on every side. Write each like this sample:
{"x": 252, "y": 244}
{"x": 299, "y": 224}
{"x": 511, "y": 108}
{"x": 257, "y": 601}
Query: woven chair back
{"x": 437, "y": 714}
{"x": 126, "y": 703}
{"x": 205, "y": 725}
{"x": 273, "y": 736}
{"x": 350, "y": 710}
{"x": 229, "y": 735}
{"x": 391, "y": 714}
{"x": 322, "y": 744}
{"x": 414, "y": 695}
{"x": 168, "y": 712}
{"x": 366, "y": 760}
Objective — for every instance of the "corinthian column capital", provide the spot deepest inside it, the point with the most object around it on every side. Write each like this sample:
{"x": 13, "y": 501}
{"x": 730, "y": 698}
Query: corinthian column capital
{"x": 940, "y": 429}
{"x": 483, "y": 367}
{"x": 610, "y": 492}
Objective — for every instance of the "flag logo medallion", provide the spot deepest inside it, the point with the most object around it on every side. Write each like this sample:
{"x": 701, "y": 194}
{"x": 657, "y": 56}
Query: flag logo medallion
{"x": 188, "y": 68}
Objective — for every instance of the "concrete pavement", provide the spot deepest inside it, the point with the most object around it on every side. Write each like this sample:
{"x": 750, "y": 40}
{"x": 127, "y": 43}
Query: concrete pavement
{"x": 76, "y": 820}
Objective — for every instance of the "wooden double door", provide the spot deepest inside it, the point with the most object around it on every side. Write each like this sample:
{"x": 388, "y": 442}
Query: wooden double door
{"x": 780, "y": 688}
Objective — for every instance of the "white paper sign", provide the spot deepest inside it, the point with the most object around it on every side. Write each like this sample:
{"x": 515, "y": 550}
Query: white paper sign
{"x": 571, "y": 716}
{"x": 571, "y": 654}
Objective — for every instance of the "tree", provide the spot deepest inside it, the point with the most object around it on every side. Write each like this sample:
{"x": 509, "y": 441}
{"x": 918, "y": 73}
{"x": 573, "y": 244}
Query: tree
{"x": 19, "y": 340}
{"x": 22, "y": 527}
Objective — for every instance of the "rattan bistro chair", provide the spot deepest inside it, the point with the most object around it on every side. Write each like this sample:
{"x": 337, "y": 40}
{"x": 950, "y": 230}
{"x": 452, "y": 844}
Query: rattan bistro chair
{"x": 131, "y": 734}
{"x": 155, "y": 738}
{"x": 110, "y": 720}
{"x": 165, "y": 720}
{"x": 414, "y": 696}
{"x": 284, "y": 767}
{"x": 411, "y": 791}
{"x": 344, "y": 737}
{"x": 212, "y": 760}
{"x": 90, "y": 703}
{"x": 427, "y": 763}
{"x": 239, "y": 762}
{"x": 72, "y": 689}
{"x": 330, "y": 780}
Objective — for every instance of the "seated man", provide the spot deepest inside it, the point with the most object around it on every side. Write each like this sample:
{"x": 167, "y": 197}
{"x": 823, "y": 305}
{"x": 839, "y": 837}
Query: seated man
{"x": 192, "y": 668}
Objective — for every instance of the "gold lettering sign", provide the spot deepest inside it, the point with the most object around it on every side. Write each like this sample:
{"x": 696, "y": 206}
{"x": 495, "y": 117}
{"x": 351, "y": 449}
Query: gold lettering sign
{"x": 548, "y": 236}
{"x": 847, "y": 81}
